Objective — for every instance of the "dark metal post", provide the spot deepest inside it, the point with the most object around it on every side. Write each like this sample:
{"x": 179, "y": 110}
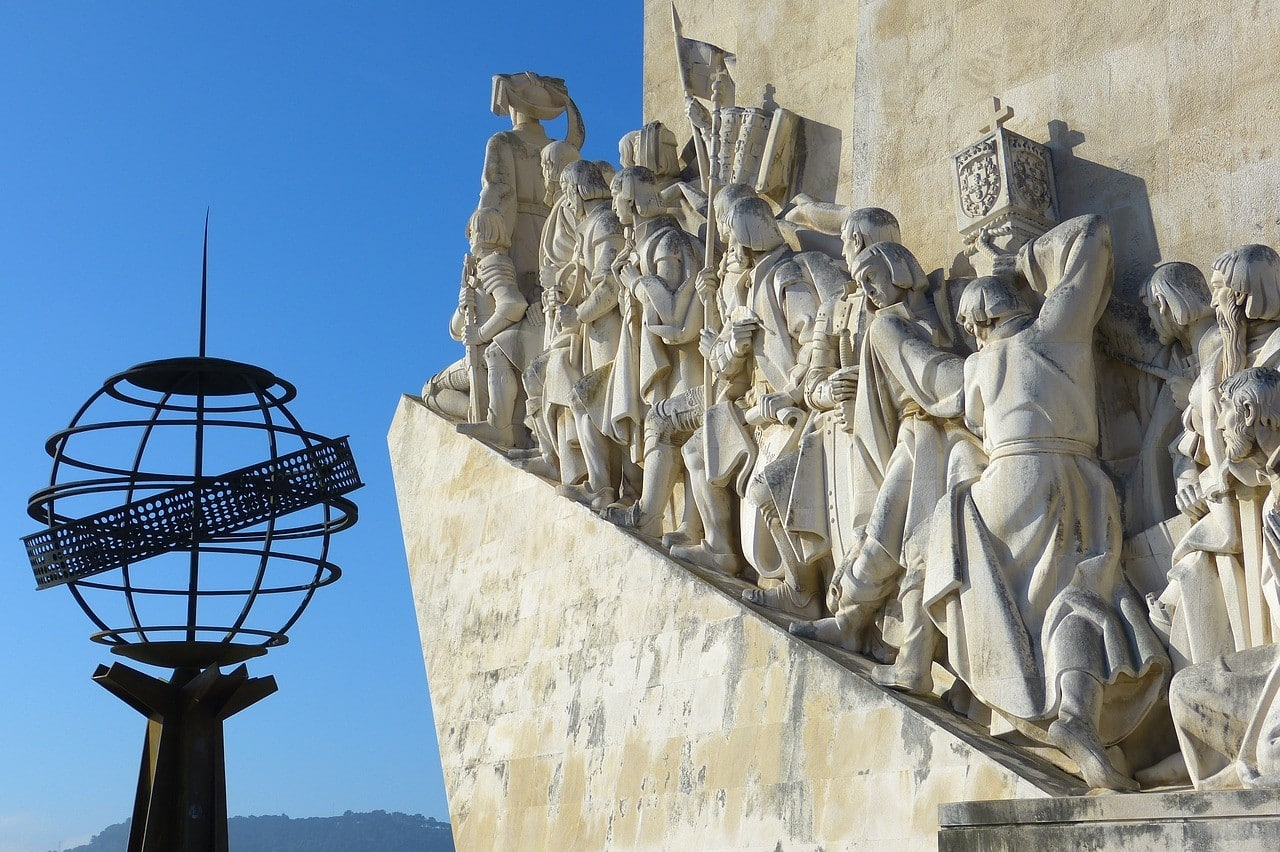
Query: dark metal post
{"x": 181, "y": 804}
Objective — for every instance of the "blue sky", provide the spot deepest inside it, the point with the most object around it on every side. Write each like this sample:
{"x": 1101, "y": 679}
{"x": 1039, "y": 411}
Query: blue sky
{"x": 339, "y": 147}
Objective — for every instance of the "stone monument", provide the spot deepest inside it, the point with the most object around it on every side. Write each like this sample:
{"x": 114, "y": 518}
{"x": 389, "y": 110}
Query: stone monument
{"x": 886, "y": 455}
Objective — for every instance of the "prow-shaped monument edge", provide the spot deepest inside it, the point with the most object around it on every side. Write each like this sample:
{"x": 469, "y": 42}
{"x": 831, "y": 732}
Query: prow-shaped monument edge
{"x": 590, "y": 692}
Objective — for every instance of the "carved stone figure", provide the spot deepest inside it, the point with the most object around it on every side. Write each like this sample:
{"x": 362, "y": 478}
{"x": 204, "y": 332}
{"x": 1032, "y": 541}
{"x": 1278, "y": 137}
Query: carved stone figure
{"x": 813, "y": 499}
{"x": 906, "y": 429}
{"x": 1214, "y": 603}
{"x": 1180, "y": 308}
{"x": 512, "y": 180}
{"x": 1023, "y": 574}
{"x": 658, "y": 361}
{"x": 589, "y": 327}
{"x": 767, "y": 306}
{"x": 1227, "y": 709}
{"x": 510, "y": 333}
{"x": 555, "y": 258}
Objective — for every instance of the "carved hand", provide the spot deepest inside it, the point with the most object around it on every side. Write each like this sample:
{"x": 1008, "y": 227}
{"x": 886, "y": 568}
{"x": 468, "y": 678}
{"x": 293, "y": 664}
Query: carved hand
{"x": 771, "y": 405}
{"x": 1191, "y": 501}
{"x": 567, "y": 316}
{"x": 706, "y": 284}
{"x": 699, "y": 117}
{"x": 629, "y": 274}
{"x": 707, "y": 343}
{"x": 471, "y": 335}
{"x": 844, "y": 384}
{"x": 740, "y": 334}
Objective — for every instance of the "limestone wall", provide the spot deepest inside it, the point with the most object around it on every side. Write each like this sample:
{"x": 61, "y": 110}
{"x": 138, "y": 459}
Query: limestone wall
{"x": 590, "y": 693}
{"x": 1162, "y": 114}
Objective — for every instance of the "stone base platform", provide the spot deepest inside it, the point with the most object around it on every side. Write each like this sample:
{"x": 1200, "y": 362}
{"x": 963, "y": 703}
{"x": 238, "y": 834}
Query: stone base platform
{"x": 591, "y": 693}
{"x": 1150, "y": 822}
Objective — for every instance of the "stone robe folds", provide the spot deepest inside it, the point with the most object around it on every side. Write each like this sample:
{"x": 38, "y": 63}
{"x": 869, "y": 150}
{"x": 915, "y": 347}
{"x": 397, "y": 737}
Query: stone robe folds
{"x": 658, "y": 344}
{"x": 911, "y": 395}
{"x": 584, "y": 350}
{"x": 782, "y": 299}
{"x": 1023, "y": 576}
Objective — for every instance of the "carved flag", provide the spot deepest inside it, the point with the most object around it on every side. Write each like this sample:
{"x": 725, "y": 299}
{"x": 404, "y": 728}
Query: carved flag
{"x": 699, "y": 61}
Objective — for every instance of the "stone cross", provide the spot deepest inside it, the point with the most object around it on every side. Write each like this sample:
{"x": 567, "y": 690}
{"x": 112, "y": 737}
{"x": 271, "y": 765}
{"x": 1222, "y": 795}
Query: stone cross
{"x": 999, "y": 115}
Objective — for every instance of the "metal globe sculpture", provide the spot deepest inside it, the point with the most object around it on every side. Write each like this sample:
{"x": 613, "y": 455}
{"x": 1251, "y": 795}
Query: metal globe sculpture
{"x": 190, "y": 513}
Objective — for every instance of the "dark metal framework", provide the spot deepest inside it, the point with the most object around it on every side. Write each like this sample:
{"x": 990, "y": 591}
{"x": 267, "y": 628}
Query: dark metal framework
{"x": 233, "y": 512}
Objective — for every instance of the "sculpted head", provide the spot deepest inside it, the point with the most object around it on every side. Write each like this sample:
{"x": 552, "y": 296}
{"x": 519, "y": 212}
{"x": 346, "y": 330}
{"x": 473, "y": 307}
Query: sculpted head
{"x": 887, "y": 272}
{"x": 987, "y": 302}
{"x": 751, "y": 226}
{"x": 487, "y": 232}
{"x": 554, "y": 157}
{"x": 1251, "y": 412}
{"x": 1245, "y": 286}
{"x": 1177, "y": 297}
{"x": 864, "y": 227}
{"x": 635, "y": 195}
{"x": 726, "y": 197}
{"x": 652, "y": 146}
{"x": 607, "y": 170}
{"x": 582, "y": 181}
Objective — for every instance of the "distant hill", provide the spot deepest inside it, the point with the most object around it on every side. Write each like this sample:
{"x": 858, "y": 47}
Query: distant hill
{"x": 378, "y": 831}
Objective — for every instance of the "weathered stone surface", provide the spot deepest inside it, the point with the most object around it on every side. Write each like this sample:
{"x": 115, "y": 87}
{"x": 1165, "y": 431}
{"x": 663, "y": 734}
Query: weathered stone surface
{"x": 591, "y": 693}
{"x": 1154, "y": 821}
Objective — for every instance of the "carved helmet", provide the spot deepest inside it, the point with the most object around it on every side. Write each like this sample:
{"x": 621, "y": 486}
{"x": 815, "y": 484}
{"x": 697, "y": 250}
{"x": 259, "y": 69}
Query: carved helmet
{"x": 652, "y": 146}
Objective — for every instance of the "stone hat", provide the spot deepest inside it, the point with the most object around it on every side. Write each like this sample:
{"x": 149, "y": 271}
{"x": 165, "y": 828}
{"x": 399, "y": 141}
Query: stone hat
{"x": 542, "y": 98}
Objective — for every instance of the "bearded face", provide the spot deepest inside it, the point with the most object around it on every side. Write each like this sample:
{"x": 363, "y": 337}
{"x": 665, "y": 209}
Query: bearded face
{"x": 1237, "y": 429}
{"x": 1229, "y": 308}
{"x": 1161, "y": 320}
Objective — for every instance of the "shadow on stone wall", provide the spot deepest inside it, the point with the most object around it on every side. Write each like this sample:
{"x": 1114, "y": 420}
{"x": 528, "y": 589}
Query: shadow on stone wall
{"x": 818, "y": 159}
{"x": 1088, "y": 187}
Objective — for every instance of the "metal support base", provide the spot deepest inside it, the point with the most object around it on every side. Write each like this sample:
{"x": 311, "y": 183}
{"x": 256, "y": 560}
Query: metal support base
{"x": 181, "y": 805}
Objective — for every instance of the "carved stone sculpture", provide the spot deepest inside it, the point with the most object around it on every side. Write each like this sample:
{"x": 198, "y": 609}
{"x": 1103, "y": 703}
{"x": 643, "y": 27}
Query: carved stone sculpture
{"x": 555, "y": 258}
{"x": 1005, "y": 194}
{"x": 767, "y": 305}
{"x": 1214, "y": 603}
{"x": 507, "y": 330}
{"x": 1023, "y": 575}
{"x": 512, "y": 181}
{"x": 907, "y": 431}
{"x": 658, "y": 363}
{"x": 1227, "y": 709}
{"x": 812, "y": 489}
{"x": 588, "y": 329}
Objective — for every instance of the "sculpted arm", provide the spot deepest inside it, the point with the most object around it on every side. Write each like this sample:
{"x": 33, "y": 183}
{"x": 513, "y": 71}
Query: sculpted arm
{"x": 817, "y": 215}
{"x": 497, "y": 181}
{"x": 1071, "y": 266}
{"x": 508, "y": 303}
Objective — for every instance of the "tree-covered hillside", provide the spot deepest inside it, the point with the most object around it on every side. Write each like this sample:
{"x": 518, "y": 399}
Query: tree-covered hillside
{"x": 378, "y": 831}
